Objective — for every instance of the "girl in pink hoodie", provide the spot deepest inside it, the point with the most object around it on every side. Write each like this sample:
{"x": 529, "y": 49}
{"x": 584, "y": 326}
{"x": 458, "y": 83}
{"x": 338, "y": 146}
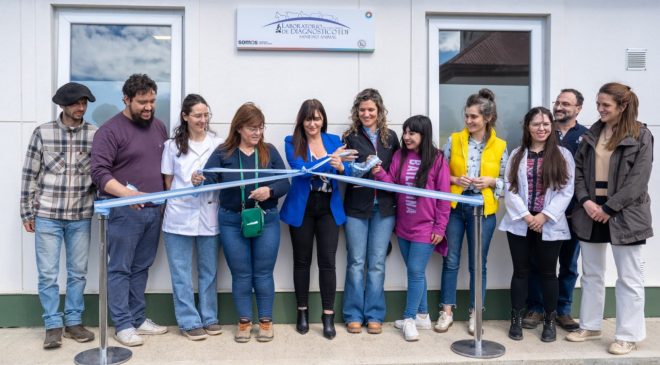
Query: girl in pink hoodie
{"x": 420, "y": 222}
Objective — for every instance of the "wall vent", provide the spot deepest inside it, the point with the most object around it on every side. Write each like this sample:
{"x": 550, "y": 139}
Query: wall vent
{"x": 636, "y": 59}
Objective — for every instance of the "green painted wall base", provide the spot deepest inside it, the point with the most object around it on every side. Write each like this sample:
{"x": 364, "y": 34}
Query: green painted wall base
{"x": 25, "y": 311}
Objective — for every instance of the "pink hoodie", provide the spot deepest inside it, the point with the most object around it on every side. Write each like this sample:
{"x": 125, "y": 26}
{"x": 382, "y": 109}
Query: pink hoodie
{"x": 418, "y": 217}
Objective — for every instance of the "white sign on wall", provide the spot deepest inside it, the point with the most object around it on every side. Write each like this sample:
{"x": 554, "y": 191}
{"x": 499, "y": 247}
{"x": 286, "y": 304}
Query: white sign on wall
{"x": 304, "y": 29}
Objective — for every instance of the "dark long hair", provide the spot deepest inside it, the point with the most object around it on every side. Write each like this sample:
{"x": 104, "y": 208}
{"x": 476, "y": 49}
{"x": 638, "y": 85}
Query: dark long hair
{"x": 181, "y": 132}
{"x": 381, "y": 122}
{"x": 420, "y": 124}
{"x": 306, "y": 112}
{"x": 627, "y": 124}
{"x": 247, "y": 114}
{"x": 554, "y": 171}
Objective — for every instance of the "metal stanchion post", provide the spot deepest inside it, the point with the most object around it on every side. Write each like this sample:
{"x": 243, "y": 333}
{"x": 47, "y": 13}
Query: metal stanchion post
{"x": 478, "y": 348}
{"x": 103, "y": 355}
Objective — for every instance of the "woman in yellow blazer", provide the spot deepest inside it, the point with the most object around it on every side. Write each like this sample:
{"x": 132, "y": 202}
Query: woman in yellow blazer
{"x": 477, "y": 161}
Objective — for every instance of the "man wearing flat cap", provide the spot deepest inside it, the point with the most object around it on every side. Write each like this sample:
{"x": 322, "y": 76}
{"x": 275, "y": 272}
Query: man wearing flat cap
{"x": 57, "y": 198}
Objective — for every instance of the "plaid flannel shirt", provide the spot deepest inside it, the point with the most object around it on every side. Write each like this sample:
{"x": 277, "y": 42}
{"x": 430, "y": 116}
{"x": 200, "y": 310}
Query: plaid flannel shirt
{"x": 56, "y": 181}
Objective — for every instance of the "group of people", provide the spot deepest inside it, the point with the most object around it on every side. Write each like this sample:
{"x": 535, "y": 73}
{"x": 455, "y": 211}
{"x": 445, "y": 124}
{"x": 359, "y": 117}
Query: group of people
{"x": 565, "y": 188}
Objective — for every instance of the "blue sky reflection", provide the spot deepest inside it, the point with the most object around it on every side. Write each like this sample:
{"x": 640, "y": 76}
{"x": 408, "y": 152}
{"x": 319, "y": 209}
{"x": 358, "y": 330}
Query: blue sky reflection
{"x": 103, "y": 56}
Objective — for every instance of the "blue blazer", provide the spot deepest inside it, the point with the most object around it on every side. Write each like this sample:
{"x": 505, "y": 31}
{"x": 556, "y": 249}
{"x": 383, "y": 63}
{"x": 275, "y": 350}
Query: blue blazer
{"x": 293, "y": 209}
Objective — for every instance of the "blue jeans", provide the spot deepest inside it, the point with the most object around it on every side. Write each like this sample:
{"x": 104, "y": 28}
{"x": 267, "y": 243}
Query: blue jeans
{"x": 49, "y": 234}
{"x": 461, "y": 221}
{"x": 251, "y": 262}
{"x": 366, "y": 242}
{"x": 416, "y": 255}
{"x": 132, "y": 243}
{"x": 180, "y": 257}
{"x": 568, "y": 274}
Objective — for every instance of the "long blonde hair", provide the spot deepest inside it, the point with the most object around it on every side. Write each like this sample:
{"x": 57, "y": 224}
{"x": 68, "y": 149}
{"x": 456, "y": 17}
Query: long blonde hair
{"x": 381, "y": 119}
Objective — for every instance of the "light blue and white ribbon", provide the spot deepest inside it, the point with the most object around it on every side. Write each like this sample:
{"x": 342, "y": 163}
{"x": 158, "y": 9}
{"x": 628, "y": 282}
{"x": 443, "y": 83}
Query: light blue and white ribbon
{"x": 103, "y": 206}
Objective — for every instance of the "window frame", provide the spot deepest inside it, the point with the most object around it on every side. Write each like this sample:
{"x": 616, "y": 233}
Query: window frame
{"x": 538, "y": 67}
{"x": 172, "y": 18}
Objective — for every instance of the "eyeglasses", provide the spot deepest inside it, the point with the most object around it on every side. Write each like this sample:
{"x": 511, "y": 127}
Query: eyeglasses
{"x": 255, "y": 129}
{"x": 563, "y": 104}
{"x": 206, "y": 116}
{"x": 540, "y": 125}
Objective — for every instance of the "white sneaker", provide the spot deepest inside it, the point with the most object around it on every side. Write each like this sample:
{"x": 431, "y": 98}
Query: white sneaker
{"x": 148, "y": 327}
{"x": 471, "y": 325}
{"x": 422, "y": 321}
{"x": 410, "y": 330}
{"x": 128, "y": 337}
{"x": 619, "y": 347}
{"x": 444, "y": 322}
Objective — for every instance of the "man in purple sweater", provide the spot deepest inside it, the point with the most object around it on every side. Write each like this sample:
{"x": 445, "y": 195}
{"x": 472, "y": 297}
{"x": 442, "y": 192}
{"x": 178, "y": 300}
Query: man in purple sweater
{"x": 126, "y": 155}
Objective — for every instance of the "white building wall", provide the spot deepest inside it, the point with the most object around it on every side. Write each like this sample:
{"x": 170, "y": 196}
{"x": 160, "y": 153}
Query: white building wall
{"x": 585, "y": 48}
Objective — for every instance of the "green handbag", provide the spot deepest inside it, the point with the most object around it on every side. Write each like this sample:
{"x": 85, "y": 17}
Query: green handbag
{"x": 252, "y": 222}
{"x": 252, "y": 219}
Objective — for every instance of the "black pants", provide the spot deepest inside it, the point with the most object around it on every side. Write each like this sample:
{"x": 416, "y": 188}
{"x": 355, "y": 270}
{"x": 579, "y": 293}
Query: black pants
{"x": 545, "y": 254}
{"x": 318, "y": 222}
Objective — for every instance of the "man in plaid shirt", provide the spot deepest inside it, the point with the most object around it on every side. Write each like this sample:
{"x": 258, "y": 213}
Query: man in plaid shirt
{"x": 57, "y": 198}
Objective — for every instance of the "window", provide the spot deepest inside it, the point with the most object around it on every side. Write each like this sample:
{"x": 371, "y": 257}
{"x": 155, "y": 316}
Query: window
{"x": 470, "y": 53}
{"x": 101, "y": 48}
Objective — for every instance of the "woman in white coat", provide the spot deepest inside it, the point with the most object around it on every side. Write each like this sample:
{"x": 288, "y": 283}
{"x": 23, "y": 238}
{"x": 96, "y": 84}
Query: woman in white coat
{"x": 191, "y": 223}
{"x": 538, "y": 189}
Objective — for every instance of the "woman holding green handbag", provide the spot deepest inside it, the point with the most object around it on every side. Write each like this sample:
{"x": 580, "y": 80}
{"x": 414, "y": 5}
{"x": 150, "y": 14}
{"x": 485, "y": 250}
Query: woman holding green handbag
{"x": 250, "y": 249}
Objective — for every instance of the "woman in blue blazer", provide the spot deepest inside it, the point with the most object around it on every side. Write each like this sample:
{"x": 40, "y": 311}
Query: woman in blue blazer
{"x": 313, "y": 208}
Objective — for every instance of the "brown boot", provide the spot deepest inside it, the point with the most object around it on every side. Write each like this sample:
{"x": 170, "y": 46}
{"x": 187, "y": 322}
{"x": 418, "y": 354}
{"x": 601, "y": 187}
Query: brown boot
{"x": 266, "y": 331}
{"x": 243, "y": 331}
{"x": 532, "y": 319}
{"x": 78, "y": 333}
{"x": 53, "y": 338}
{"x": 568, "y": 323}
{"x": 213, "y": 329}
{"x": 354, "y": 327}
{"x": 374, "y": 328}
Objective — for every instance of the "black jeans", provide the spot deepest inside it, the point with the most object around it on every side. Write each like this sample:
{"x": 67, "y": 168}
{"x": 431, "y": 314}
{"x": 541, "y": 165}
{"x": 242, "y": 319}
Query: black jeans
{"x": 545, "y": 254}
{"x": 318, "y": 222}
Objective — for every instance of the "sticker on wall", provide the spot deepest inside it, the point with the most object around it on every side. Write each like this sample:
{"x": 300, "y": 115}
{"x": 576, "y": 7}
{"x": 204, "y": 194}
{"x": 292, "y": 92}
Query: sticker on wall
{"x": 348, "y": 30}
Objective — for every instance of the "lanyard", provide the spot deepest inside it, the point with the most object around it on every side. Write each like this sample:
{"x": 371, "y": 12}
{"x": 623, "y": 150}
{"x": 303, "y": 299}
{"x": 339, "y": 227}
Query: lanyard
{"x": 256, "y": 166}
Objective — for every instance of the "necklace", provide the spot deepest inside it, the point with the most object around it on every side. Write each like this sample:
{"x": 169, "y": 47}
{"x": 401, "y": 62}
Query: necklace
{"x": 246, "y": 150}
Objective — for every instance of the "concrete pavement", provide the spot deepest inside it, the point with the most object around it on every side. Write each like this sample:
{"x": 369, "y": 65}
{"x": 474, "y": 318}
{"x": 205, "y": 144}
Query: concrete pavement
{"x": 23, "y": 346}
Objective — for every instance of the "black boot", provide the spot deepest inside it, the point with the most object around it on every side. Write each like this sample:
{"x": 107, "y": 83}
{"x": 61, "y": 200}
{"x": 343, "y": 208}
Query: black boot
{"x": 328, "y": 325}
{"x": 549, "y": 330}
{"x": 302, "y": 323}
{"x": 515, "y": 331}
